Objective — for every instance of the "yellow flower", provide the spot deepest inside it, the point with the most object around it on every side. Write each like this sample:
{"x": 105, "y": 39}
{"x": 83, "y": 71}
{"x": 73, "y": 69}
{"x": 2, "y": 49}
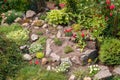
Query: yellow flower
{"x": 89, "y": 60}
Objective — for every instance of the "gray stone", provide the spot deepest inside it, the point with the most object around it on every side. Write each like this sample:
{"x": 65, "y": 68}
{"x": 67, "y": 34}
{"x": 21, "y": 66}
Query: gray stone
{"x": 75, "y": 59}
{"x": 72, "y": 77}
{"x": 44, "y": 61}
{"x": 30, "y": 14}
{"x": 49, "y": 68}
{"x": 117, "y": 70}
{"x": 59, "y": 27}
{"x": 34, "y": 37}
{"x": 67, "y": 59}
{"x": 45, "y": 26}
{"x": 27, "y": 57}
{"x": 47, "y": 31}
{"x": 104, "y": 73}
{"x": 88, "y": 54}
{"x": 48, "y": 49}
{"x": 54, "y": 57}
{"x": 87, "y": 78}
{"x": 37, "y": 23}
{"x": 23, "y": 47}
{"x": 18, "y": 20}
{"x": 59, "y": 34}
{"x": 91, "y": 44}
{"x": 25, "y": 24}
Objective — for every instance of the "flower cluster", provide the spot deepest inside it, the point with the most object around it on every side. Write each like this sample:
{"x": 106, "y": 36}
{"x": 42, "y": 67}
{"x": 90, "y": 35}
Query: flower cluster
{"x": 68, "y": 32}
{"x": 63, "y": 67}
{"x": 110, "y": 6}
{"x": 36, "y": 62}
{"x": 93, "y": 69}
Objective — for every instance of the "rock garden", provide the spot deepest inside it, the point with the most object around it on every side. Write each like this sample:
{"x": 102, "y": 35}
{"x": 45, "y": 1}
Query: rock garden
{"x": 60, "y": 40}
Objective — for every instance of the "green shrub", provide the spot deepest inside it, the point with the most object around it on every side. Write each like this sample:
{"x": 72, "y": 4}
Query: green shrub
{"x": 35, "y": 47}
{"x": 38, "y": 46}
{"x": 20, "y": 5}
{"x": 57, "y": 42}
{"x": 15, "y": 33}
{"x": 10, "y": 58}
{"x": 38, "y": 73}
{"x": 20, "y": 37}
{"x": 6, "y": 29}
{"x": 12, "y": 15}
{"x": 58, "y": 17}
{"x": 68, "y": 49}
{"x": 110, "y": 52}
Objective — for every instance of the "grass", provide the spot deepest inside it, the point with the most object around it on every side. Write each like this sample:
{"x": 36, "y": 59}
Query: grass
{"x": 38, "y": 73}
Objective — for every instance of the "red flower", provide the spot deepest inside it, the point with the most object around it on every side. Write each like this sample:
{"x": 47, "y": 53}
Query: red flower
{"x": 82, "y": 34}
{"x": 37, "y": 62}
{"x": 111, "y": 14}
{"x": 108, "y": 2}
{"x": 62, "y": 5}
{"x": 5, "y": 1}
{"x": 68, "y": 30}
{"x": 112, "y": 7}
{"x": 74, "y": 35}
{"x": 30, "y": 62}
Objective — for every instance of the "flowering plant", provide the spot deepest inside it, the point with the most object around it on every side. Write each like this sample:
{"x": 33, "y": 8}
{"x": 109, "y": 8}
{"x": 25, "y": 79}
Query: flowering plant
{"x": 93, "y": 69}
{"x": 68, "y": 32}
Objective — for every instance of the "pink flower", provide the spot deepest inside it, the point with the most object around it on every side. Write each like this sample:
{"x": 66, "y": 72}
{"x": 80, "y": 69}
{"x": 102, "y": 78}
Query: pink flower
{"x": 112, "y": 7}
{"x": 111, "y": 14}
{"x": 108, "y": 2}
{"x": 62, "y": 5}
{"x": 37, "y": 62}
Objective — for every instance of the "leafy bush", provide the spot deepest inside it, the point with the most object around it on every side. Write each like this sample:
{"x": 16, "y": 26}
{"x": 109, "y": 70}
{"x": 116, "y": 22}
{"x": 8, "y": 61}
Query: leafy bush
{"x": 58, "y": 17}
{"x": 6, "y": 29}
{"x": 110, "y": 52}
{"x": 35, "y": 47}
{"x": 57, "y": 42}
{"x": 12, "y": 15}
{"x": 68, "y": 49}
{"x": 10, "y": 58}
{"x": 15, "y": 33}
{"x": 20, "y": 37}
{"x": 20, "y": 5}
{"x": 37, "y": 73}
{"x": 38, "y": 46}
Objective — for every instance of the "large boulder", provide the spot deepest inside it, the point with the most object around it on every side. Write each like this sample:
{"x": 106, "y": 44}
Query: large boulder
{"x": 103, "y": 74}
{"x": 88, "y": 54}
